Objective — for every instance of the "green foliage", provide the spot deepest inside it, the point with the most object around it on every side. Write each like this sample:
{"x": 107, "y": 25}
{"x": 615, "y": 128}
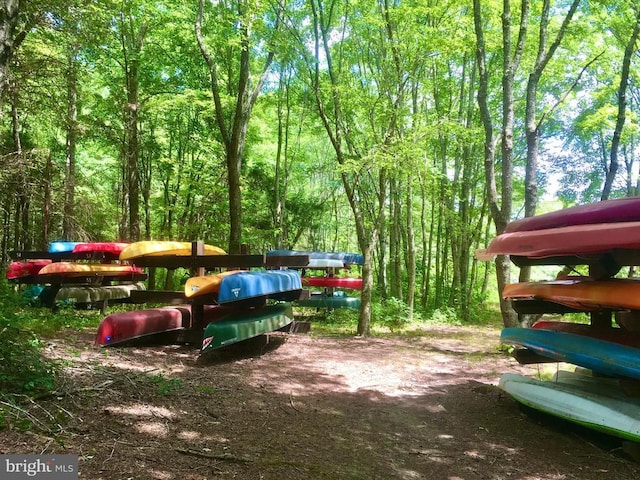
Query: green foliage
{"x": 392, "y": 313}
{"x": 165, "y": 386}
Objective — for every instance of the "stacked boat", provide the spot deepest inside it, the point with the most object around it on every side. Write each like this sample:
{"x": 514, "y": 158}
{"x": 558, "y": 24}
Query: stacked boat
{"x": 219, "y": 308}
{"x": 83, "y": 273}
{"x": 601, "y": 390}
{"x": 329, "y": 278}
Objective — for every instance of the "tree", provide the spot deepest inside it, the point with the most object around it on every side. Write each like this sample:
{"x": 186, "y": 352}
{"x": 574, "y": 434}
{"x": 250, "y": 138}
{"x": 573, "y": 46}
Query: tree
{"x": 240, "y": 29}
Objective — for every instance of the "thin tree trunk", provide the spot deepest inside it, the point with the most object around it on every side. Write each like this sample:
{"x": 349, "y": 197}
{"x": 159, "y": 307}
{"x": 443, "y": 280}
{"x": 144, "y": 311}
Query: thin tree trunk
{"x": 622, "y": 106}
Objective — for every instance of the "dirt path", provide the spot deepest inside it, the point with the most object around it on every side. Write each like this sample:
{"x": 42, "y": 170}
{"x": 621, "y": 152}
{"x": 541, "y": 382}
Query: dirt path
{"x": 421, "y": 407}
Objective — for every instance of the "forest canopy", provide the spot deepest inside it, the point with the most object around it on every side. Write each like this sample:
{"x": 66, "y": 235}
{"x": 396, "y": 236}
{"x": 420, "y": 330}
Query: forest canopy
{"x": 410, "y": 131}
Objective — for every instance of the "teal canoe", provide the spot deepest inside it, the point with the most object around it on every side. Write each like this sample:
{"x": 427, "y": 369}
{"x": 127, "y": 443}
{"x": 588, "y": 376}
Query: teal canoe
{"x": 325, "y": 301}
{"x": 236, "y": 327}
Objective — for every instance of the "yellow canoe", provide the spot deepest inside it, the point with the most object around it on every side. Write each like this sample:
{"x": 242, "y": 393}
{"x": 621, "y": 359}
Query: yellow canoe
{"x": 156, "y": 248}
{"x": 205, "y": 284}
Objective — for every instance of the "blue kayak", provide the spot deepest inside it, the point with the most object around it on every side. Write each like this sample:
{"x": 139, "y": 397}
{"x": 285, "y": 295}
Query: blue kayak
{"x": 346, "y": 258}
{"x": 600, "y": 356}
{"x": 62, "y": 247}
{"x": 272, "y": 284}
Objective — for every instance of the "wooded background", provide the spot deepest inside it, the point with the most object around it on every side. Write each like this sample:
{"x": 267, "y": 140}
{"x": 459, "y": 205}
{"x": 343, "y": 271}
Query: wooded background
{"x": 410, "y": 131}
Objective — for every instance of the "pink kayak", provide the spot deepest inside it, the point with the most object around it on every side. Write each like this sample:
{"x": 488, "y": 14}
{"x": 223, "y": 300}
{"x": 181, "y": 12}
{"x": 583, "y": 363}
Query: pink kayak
{"x": 333, "y": 282}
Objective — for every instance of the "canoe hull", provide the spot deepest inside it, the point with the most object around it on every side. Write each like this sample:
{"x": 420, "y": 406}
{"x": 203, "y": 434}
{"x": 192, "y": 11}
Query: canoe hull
{"x": 205, "y": 284}
{"x": 240, "y": 326}
{"x": 259, "y": 286}
{"x": 584, "y": 294}
{"x": 603, "y": 409}
{"x": 608, "y": 211}
{"x": 127, "y": 327}
{"x": 333, "y": 282}
{"x": 589, "y": 239}
{"x": 346, "y": 258}
{"x": 71, "y": 269}
{"x": 91, "y": 294}
{"x": 615, "y": 335}
{"x": 25, "y": 270}
{"x": 601, "y": 356}
{"x": 330, "y": 302}
{"x": 159, "y": 248}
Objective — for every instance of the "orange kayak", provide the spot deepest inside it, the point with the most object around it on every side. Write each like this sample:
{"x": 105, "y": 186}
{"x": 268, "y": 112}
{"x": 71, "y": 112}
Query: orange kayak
{"x": 584, "y": 294}
{"x": 205, "y": 284}
{"x": 71, "y": 269}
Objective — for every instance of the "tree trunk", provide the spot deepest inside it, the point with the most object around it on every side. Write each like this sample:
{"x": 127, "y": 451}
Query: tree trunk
{"x": 68, "y": 219}
{"x": 622, "y": 106}
{"x": 9, "y": 41}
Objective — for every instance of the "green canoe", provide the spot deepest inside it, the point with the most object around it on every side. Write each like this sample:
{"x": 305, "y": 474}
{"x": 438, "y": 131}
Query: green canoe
{"x": 244, "y": 325}
{"x": 324, "y": 301}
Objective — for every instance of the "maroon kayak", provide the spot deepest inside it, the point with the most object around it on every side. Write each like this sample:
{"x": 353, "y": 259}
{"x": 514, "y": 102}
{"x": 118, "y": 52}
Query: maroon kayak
{"x": 123, "y": 327}
{"x": 607, "y": 211}
{"x": 333, "y": 282}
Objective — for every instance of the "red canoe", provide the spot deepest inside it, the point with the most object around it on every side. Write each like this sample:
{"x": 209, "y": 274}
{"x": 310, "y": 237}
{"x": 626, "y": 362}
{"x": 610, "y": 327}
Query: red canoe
{"x": 123, "y": 327}
{"x": 113, "y": 248}
{"x": 24, "y": 269}
{"x": 608, "y": 211}
{"x": 565, "y": 241}
{"x": 333, "y": 282}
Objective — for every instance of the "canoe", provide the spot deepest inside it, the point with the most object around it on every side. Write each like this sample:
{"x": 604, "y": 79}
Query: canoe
{"x": 125, "y": 327}
{"x": 583, "y": 294}
{"x": 159, "y": 248}
{"x": 322, "y": 263}
{"x": 330, "y": 302}
{"x": 25, "y": 269}
{"x": 91, "y": 294}
{"x": 346, "y": 258}
{"x": 205, "y": 284}
{"x": 612, "y": 334}
{"x": 574, "y": 240}
{"x": 236, "y": 327}
{"x": 61, "y": 247}
{"x": 111, "y": 248}
{"x": 607, "y": 211}
{"x": 601, "y": 356}
{"x": 260, "y": 285}
{"x": 333, "y": 282}
{"x": 600, "y": 407}
{"x": 72, "y": 269}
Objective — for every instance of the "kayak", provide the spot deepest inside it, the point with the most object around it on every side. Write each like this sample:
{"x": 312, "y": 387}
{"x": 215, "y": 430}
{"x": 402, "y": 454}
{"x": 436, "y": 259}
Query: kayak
{"x": 574, "y": 240}
{"x": 333, "y": 282}
{"x": 112, "y": 248}
{"x": 25, "y": 270}
{"x": 71, "y": 269}
{"x": 583, "y": 294}
{"x": 161, "y": 248}
{"x": 607, "y": 211}
{"x": 91, "y": 294}
{"x": 260, "y": 285}
{"x": 124, "y": 327}
{"x": 331, "y": 302}
{"x": 595, "y": 403}
{"x": 205, "y": 284}
{"x": 62, "y": 247}
{"x": 346, "y": 258}
{"x": 239, "y": 326}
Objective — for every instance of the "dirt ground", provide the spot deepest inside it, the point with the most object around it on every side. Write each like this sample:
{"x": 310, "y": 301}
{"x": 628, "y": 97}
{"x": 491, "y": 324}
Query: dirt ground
{"x": 307, "y": 407}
